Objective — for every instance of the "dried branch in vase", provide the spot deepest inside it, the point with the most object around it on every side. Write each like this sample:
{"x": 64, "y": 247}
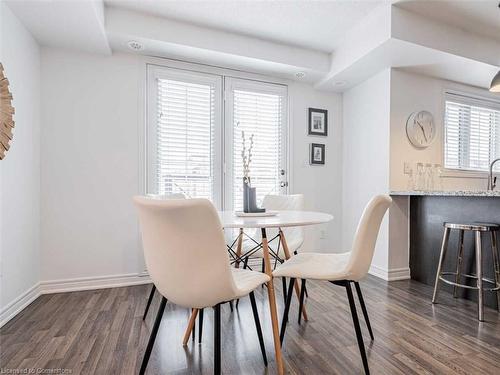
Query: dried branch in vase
{"x": 246, "y": 156}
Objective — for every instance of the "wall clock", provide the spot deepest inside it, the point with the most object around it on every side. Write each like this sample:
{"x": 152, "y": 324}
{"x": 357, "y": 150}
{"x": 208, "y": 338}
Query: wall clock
{"x": 420, "y": 129}
{"x": 6, "y": 114}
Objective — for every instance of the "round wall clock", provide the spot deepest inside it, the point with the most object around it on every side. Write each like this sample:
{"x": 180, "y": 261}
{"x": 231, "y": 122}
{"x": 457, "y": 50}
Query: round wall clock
{"x": 420, "y": 129}
{"x": 6, "y": 114}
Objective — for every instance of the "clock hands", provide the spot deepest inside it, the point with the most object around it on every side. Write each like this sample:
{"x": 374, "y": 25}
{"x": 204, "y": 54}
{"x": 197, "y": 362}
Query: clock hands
{"x": 423, "y": 130}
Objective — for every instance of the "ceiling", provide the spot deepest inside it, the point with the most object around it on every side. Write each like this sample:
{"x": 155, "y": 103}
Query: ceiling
{"x": 318, "y": 25}
{"x": 476, "y": 16}
{"x": 64, "y": 24}
{"x": 324, "y": 43}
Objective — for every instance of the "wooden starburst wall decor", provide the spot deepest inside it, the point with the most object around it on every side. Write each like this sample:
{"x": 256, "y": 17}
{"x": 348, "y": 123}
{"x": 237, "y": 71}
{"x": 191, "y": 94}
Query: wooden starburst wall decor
{"x": 6, "y": 114}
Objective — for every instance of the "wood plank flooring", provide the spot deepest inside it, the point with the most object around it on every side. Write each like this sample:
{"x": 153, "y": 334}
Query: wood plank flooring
{"x": 102, "y": 332}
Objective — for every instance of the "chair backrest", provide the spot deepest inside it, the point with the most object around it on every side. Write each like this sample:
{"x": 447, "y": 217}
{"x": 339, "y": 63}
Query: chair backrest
{"x": 293, "y": 202}
{"x": 185, "y": 251}
{"x": 167, "y": 196}
{"x": 366, "y": 237}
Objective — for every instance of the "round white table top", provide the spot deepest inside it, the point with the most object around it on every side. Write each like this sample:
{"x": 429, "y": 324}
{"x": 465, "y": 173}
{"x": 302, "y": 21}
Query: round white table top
{"x": 282, "y": 219}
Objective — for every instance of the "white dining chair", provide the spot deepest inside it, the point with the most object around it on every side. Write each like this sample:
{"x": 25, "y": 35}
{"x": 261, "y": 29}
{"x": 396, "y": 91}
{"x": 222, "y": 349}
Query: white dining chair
{"x": 294, "y": 236}
{"x": 341, "y": 269}
{"x": 187, "y": 260}
{"x": 153, "y": 288}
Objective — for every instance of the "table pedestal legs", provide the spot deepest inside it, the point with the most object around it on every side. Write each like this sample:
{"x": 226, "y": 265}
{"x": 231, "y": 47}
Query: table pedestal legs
{"x": 272, "y": 304}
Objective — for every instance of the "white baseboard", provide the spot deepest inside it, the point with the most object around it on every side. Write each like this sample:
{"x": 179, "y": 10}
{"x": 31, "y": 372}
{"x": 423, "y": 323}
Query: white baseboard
{"x": 69, "y": 285}
{"x": 90, "y": 283}
{"x": 390, "y": 275}
{"x": 19, "y": 304}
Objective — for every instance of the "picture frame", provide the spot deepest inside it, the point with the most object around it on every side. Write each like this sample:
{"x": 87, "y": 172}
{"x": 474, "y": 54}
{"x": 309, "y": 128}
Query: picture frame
{"x": 317, "y": 154}
{"x": 318, "y": 122}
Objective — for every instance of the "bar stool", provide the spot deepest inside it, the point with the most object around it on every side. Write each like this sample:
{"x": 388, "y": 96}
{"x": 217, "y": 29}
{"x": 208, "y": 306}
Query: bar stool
{"x": 478, "y": 229}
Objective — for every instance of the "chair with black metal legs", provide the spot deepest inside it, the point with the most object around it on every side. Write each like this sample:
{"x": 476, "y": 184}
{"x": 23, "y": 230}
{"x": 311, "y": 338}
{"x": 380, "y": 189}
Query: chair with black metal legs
{"x": 344, "y": 269}
{"x": 153, "y": 288}
{"x": 187, "y": 260}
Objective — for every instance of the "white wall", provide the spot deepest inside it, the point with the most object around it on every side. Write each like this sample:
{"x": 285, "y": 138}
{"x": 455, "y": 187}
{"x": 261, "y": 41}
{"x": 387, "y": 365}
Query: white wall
{"x": 91, "y": 163}
{"x": 413, "y": 92}
{"x": 321, "y": 185}
{"x": 20, "y": 170}
{"x": 409, "y": 93}
{"x": 366, "y": 136}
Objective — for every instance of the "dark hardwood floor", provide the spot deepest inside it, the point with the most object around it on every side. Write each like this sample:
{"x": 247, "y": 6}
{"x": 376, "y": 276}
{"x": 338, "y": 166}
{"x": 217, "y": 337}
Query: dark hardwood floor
{"x": 102, "y": 332}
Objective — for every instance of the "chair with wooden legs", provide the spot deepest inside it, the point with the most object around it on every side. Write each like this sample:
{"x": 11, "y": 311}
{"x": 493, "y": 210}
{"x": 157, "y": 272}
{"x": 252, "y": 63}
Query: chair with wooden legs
{"x": 342, "y": 269}
{"x": 187, "y": 260}
{"x": 153, "y": 288}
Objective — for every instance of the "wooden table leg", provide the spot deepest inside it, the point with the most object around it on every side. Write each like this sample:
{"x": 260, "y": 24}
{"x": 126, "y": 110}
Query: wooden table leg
{"x": 238, "y": 247}
{"x": 190, "y": 327}
{"x": 272, "y": 304}
{"x": 297, "y": 286}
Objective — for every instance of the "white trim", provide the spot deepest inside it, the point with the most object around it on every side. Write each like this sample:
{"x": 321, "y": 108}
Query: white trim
{"x": 231, "y": 84}
{"x": 69, "y": 285}
{"x": 19, "y": 304}
{"x": 91, "y": 283}
{"x": 390, "y": 275}
{"x": 214, "y": 69}
{"x": 484, "y": 99}
{"x": 480, "y": 98}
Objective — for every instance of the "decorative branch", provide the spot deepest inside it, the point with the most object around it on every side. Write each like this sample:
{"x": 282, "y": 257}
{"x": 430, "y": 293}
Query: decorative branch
{"x": 246, "y": 157}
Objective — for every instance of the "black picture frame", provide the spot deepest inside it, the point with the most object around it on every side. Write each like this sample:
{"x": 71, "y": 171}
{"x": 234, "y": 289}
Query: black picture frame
{"x": 318, "y": 125}
{"x": 316, "y": 158}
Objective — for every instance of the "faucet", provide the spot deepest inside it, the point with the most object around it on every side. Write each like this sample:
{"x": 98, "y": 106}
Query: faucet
{"x": 492, "y": 182}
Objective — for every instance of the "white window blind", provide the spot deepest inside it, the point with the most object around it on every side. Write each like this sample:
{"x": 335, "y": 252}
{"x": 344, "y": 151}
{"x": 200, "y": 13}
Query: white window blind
{"x": 260, "y": 114}
{"x": 185, "y": 138}
{"x": 472, "y": 133}
{"x": 194, "y": 124}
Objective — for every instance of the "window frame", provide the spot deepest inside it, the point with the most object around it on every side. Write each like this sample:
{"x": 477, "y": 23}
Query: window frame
{"x": 153, "y": 74}
{"x": 468, "y": 98}
{"x": 155, "y": 65}
{"x": 232, "y": 83}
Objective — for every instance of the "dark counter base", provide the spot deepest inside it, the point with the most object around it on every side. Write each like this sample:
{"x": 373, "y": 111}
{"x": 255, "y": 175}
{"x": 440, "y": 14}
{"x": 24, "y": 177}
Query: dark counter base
{"x": 427, "y": 214}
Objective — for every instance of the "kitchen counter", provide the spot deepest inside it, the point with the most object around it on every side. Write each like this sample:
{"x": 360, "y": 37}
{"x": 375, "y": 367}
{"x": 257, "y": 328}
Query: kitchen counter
{"x": 456, "y": 193}
{"x": 427, "y": 211}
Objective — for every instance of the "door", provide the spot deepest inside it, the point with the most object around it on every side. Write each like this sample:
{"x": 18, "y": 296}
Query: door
{"x": 259, "y": 110}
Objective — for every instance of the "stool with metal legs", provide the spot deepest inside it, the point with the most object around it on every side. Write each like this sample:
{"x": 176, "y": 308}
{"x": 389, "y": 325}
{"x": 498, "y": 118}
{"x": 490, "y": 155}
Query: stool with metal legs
{"x": 478, "y": 229}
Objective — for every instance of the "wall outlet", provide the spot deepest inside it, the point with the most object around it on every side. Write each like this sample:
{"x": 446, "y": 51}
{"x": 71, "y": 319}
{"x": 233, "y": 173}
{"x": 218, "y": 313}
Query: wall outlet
{"x": 323, "y": 234}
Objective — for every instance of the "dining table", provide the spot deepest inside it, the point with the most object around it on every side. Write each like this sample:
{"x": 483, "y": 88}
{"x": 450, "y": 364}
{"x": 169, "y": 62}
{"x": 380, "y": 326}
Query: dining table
{"x": 277, "y": 220}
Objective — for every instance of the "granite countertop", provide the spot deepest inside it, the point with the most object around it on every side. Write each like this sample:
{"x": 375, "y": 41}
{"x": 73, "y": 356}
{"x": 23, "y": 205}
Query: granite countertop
{"x": 456, "y": 193}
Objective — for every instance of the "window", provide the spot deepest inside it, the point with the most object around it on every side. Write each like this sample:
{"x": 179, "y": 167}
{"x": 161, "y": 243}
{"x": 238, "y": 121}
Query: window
{"x": 258, "y": 109}
{"x": 184, "y": 111}
{"x": 194, "y": 135}
{"x": 472, "y": 132}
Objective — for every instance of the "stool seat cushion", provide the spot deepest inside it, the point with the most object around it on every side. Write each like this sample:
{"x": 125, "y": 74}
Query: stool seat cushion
{"x": 481, "y": 227}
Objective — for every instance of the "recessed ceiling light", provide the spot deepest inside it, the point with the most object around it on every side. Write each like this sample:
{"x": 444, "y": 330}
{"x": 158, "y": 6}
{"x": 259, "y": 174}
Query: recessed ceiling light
{"x": 134, "y": 45}
{"x": 300, "y": 74}
{"x": 339, "y": 83}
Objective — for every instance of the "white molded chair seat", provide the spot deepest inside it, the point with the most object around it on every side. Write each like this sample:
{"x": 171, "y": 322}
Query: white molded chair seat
{"x": 187, "y": 259}
{"x": 341, "y": 269}
{"x": 315, "y": 266}
{"x": 246, "y": 281}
